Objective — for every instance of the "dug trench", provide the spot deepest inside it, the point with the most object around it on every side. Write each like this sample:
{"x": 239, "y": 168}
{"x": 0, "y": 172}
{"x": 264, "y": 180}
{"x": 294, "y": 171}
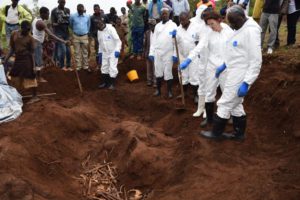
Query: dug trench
{"x": 156, "y": 148}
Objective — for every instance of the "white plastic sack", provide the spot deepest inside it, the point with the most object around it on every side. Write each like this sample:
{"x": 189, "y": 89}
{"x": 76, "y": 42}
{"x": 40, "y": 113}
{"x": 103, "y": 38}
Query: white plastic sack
{"x": 10, "y": 100}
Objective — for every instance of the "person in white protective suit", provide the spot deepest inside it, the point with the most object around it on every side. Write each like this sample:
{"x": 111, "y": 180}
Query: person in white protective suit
{"x": 199, "y": 51}
{"x": 243, "y": 61}
{"x": 245, "y": 4}
{"x": 215, "y": 44}
{"x": 188, "y": 38}
{"x": 109, "y": 53}
{"x": 162, "y": 52}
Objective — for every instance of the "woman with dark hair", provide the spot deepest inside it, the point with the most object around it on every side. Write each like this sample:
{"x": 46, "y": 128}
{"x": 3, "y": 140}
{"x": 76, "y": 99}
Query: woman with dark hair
{"x": 214, "y": 42}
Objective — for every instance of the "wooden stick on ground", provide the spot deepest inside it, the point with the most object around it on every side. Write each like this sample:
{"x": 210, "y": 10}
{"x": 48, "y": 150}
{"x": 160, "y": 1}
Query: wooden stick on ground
{"x": 39, "y": 95}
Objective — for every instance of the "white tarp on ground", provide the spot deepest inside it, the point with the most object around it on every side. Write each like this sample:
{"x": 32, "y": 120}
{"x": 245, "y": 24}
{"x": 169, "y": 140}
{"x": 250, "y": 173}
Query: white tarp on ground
{"x": 10, "y": 100}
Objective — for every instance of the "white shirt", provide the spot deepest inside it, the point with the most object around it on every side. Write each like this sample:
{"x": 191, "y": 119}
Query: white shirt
{"x": 180, "y": 6}
{"x": 12, "y": 15}
{"x": 36, "y": 34}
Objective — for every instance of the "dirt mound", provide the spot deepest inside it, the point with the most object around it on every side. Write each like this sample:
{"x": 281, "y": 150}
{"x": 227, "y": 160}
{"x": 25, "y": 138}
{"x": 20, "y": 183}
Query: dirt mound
{"x": 155, "y": 148}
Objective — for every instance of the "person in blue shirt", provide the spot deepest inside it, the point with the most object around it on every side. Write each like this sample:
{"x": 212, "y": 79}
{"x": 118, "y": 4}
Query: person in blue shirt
{"x": 80, "y": 24}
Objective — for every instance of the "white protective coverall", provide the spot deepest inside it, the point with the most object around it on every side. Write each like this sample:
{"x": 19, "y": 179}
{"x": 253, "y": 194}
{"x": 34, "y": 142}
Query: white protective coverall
{"x": 162, "y": 48}
{"x": 240, "y": 2}
{"x": 216, "y": 43}
{"x": 243, "y": 59}
{"x": 200, "y": 49}
{"x": 109, "y": 43}
{"x": 10, "y": 100}
{"x": 187, "y": 41}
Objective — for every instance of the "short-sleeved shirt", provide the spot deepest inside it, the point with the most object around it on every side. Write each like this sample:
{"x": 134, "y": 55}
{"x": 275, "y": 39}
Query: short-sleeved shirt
{"x": 138, "y": 14}
{"x": 62, "y": 19}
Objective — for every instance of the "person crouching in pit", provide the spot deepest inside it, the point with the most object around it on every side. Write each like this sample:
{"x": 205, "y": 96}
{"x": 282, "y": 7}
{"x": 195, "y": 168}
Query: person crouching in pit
{"x": 109, "y": 52}
{"x": 22, "y": 72}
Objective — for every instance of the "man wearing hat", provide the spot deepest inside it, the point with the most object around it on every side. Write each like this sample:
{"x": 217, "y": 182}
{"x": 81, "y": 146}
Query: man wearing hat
{"x": 162, "y": 51}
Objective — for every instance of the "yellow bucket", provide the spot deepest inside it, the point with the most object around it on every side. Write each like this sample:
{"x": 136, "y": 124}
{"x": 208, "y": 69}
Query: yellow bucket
{"x": 132, "y": 75}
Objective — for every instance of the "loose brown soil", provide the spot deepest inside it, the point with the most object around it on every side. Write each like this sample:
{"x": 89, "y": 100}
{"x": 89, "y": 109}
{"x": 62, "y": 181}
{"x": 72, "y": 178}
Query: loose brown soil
{"x": 156, "y": 148}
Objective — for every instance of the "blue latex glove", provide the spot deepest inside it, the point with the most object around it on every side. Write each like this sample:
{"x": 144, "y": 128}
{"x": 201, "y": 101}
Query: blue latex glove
{"x": 117, "y": 54}
{"x": 243, "y": 90}
{"x": 175, "y": 59}
{"x": 99, "y": 58}
{"x": 151, "y": 58}
{"x": 173, "y": 33}
{"x": 220, "y": 70}
{"x": 185, "y": 63}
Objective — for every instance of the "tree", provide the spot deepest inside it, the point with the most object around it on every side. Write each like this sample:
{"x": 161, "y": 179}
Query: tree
{"x": 36, "y": 9}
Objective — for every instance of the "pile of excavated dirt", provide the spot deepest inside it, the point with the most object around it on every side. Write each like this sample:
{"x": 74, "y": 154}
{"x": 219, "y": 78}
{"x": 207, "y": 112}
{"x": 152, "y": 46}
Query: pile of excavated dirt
{"x": 155, "y": 148}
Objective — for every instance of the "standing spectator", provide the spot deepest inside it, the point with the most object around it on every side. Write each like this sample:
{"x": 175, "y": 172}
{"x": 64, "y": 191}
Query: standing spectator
{"x": 180, "y": 6}
{"x": 269, "y": 18}
{"x": 124, "y": 18}
{"x": 151, "y": 80}
{"x": 11, "y": 17}
{"x": 169, "y": 3}
{"x": 60, "y": 18}
{"x": 39, "y": 30}
{"x": 95, "y": 19}
{"x": 137, "y": 30}
{"x": 129, "y": 35}
{"x": 80, "y": 25}
{"x": 284, "y": 9}
{"x": 22, "y": 72}
{"x": 122, "y": 32}
{"x": 112, "y": 16}
{"x": 292, "y": 19}
{"x": 154, "y": 9}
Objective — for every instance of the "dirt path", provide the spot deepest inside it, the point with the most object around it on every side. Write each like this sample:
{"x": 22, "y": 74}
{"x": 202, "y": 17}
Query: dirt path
{"x": 156, "y": 148}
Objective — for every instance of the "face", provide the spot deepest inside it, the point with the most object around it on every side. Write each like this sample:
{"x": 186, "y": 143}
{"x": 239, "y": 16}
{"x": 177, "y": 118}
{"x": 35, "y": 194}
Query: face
{"x": 184, "y": 21}
{"x": 62, "y": 3}
{"x": 14, "y": 2}
{"x": 101, "y": 25}
{"x": 45, "y": 16}
{"x": 25, "y": 31}
{"x": 214, "y": 25}
{"x": 165, "y": 16}
{"x": 123, "y": 10}
{"x": 80, "y": 9}
{"x": 137, "y": 1}
{"x": 235, "y": 21}
{"x": 112, "y": 11}
{"x": 97, "y": 10}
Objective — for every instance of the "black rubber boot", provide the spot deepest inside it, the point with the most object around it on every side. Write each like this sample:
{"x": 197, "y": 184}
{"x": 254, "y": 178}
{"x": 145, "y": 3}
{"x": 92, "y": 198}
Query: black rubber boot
{"x": 105, "y": 83}
{"x": 217, "y": 130}
{"x": 239, "y": 126}
{"x": 209, "y": 108}
{"x": 158, "y": 87}
{"x": 111, "y": 83}
{"x": 169, "y": 87}
{"x": 195, "y": 93}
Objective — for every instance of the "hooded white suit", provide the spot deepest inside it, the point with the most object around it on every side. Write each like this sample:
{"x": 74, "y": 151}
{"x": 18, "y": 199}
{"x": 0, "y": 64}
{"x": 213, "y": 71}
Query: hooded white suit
{"x": 187, "y": 41}
{"x": 162, "y": 48}
{"x": 243, "y": 59}
{"x": 109, "y": 43}
{"x": 216, "y": 44}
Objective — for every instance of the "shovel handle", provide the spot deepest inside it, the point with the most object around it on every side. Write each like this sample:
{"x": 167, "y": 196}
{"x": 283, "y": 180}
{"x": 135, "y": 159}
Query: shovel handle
{"x": 179, "y": 72}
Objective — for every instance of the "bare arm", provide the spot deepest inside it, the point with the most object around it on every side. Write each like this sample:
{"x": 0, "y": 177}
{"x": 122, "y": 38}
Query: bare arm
{"x": 40, "y": 25}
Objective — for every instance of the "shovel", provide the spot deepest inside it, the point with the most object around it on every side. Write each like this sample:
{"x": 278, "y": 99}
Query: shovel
{"x": 181, "y": 108}
{"x": 76, "y": 72}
